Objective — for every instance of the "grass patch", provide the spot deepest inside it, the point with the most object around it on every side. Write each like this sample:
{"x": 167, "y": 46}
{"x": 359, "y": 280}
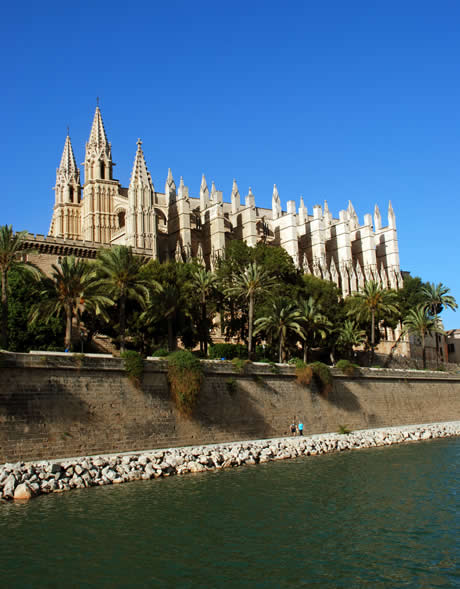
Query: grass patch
{"x": 185, "y": 376}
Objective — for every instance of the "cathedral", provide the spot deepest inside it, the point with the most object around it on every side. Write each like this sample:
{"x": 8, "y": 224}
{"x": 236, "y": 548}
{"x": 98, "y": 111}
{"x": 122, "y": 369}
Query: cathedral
{"x": 176, "y": 225}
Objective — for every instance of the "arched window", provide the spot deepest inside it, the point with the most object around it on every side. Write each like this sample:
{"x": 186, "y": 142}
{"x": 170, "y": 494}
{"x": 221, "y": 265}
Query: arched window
{"x": 121, "y": 219}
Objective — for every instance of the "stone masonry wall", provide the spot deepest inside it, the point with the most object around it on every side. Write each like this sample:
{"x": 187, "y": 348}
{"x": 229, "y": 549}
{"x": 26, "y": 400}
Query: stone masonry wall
{"x": 63, "y": 406}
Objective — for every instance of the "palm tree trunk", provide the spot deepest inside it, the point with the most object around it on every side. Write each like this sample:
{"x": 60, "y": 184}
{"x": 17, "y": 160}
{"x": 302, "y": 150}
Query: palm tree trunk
{"x": 436, "y": 340}
{"x": 122, "y": 322}
{"x": 4, "y": 342}
{"x": 305, "y": 352}
{"x": 372, "y": 336}
{"x": 68, "y": 327}
{"x": 204, "y": 326}
{"x": 280, "y": 352}
{"x": 250, "y": 320}
{"x": 171, "y": 338}
{"x": 424, "y": 351}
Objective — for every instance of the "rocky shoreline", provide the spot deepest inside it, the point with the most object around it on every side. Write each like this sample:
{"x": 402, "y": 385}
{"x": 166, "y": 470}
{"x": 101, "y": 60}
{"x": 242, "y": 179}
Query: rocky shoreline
{"x": 22, "y": 481}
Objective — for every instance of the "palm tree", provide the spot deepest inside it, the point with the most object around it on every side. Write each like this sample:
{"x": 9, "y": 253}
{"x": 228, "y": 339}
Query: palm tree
{"x": 11, "y": 245}
{"x": 72, "y": 286}
{"x": 437, "y": 299}
{"x": 350, "y": 335}
{"x": 248, "y": 284}
{"x": 372, "y": 304}
{"x": 283, "y": 318}
{"x": 314, "y": 323}
{"x": 119, "y": 272}
{"x": 419, "y": 321}
{"x": 203, "y": 283}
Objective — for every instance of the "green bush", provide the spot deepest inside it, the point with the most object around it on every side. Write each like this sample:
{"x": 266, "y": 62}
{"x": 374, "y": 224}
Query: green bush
{"x": 344, "y": 429}
{"x": 160, "y": 353}
{"x": 239, "y": 364}
{"x": 185, "y": 376}
{"x": 316, "y": 371}
{"x": 134, "y": 365}
{"x": 228, "y": 351}
{"x": 348, "y": 367}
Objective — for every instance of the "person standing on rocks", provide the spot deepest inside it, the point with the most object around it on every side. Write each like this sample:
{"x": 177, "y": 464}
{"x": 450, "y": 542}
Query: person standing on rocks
{"x": 300, "y": 428}
{"x": 293, "y": 428}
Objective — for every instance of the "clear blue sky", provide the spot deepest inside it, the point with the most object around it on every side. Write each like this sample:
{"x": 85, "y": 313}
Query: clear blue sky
{"x": 330, "y": 100}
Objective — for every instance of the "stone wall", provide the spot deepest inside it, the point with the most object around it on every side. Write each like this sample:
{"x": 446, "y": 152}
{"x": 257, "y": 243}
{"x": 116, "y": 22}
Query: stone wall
{"x": 63, "y": 405}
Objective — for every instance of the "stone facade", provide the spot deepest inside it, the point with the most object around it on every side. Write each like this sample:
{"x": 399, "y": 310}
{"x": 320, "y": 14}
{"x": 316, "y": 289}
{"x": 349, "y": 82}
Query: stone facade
{"x": 176, "y": 225}
{"x": 55, "y": 405}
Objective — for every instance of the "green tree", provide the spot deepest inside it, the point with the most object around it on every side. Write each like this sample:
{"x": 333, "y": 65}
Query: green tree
{"x": 23, "y": 335}
{"x": 283, "y": 318}
{"x": 371, "y": 305}
{"x": 248, "y": 284}
{"x": 350, "y": 335}
{"x": 71, "y": 287}
{"x": 119, "y": 270}
{"x": 11, "y": 246}
{"x": 437, "y": 298}
{"x": 203, "y": 283}
{"x": 315, "y": 325}
{"x": 419, "y": 321}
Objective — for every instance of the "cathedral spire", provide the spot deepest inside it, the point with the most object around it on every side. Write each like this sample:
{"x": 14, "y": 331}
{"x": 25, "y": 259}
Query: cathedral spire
{"x": 204, "y": 194}
{"x": 97, "y": 136}
{"x": 98, "y": 157}
{"x": 68, "y": 164}
{"x": 140, "y": 175}
{"x": 276, "y": 203}
{"x": 391, "y": 216}
{"x": 170, "y": 188}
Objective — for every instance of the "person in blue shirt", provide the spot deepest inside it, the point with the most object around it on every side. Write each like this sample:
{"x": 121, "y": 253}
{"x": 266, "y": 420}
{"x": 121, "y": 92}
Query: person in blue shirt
{"x": 300, "y": 428}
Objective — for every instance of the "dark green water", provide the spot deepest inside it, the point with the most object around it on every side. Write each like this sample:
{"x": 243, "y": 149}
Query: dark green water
{"x": 385, "y": 517}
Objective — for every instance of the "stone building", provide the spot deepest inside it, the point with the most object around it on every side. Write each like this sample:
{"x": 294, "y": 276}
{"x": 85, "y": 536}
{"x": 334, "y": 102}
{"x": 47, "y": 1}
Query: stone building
{"x": 173, "y": 224}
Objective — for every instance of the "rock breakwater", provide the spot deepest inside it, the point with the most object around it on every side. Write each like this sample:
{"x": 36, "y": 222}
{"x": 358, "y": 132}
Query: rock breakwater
{"x": 22, "y": 481}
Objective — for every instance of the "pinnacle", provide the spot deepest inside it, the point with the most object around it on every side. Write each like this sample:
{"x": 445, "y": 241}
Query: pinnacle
{"x": 140, "y": 173}
{"x": 97, "y": 135}
{"x": 68, "y": 163}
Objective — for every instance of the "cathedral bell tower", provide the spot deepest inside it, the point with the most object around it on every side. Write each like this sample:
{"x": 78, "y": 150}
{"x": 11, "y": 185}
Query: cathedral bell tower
{"x": 98, "y": 221}
{"x": 66, "y": 220}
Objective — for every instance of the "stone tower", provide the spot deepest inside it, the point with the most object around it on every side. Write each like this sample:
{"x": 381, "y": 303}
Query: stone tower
{"x": 66, "y": 220}
{"x": 98, "y": 218}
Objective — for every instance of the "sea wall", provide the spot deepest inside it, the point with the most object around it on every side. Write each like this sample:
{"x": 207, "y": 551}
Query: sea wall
{"x": 54, "y": 406}
{"x": 22, "y": 481}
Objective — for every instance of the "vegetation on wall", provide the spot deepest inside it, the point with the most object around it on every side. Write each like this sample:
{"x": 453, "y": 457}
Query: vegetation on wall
{"x": 134, "y": 365}
{"x": 185, "y": 376}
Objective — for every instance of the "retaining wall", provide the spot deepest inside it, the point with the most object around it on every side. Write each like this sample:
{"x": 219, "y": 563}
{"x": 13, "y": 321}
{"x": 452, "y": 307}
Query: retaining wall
{"x": 63, "y": 405}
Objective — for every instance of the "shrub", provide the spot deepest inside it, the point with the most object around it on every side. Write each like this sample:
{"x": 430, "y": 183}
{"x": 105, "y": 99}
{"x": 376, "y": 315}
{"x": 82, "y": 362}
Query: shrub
{"x": 185, "y": 376}
{"x": 343, "y": 429}
{"x": 274, "y": 368}
{"x": 348, "y": 367}
{"x": 316, "y": 371}
{"x": 228, "y": 351}
{"x": 239, "y": 364}
{"x": 78, "y": 359}
{"x": 134, "y": 365}
{"x": 160, "y": 353}
{"x": 304, "y": 373}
